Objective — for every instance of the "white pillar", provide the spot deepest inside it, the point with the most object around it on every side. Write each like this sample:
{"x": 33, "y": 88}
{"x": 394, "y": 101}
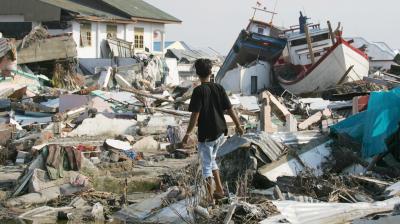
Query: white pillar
{"x": 162, "y": 41}
{"x": 97, "y": 40}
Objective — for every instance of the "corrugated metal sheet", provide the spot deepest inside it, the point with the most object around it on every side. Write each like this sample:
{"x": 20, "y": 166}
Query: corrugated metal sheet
{"x": 272, "y": 149}
{"x": 331, "y": 213}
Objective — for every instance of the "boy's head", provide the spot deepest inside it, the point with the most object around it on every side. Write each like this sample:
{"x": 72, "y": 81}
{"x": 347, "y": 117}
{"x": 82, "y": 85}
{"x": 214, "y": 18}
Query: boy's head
{"x": 203, "y": 67}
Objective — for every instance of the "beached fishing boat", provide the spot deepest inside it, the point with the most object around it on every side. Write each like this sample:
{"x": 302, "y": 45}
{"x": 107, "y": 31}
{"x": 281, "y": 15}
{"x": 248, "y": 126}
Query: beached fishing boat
{"x": 316, "y": 59}
{"x": 259, "y": 41}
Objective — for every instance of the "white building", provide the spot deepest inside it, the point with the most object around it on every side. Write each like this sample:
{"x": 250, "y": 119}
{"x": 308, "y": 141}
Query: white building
{"x": 90, "y": 22}
{"x": 248, "y": 80}
{"x": 380, "y": 54}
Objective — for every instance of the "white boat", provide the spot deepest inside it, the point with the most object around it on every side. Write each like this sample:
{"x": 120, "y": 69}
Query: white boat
{"x": 335, "y": 62}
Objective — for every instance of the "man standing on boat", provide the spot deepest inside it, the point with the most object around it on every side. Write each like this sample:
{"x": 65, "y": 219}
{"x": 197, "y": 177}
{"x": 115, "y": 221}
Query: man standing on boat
{"x": 302, "y": 22}
{"x": 208, "y": 103}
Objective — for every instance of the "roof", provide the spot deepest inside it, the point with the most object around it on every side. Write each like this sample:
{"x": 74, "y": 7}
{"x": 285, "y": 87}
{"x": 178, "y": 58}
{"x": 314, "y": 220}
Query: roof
{"x": 190, "y": 55}
{"x": 88, "y": 8}
{"x": 116, "y": 9}
{"x": 157, "y": 45}
{"x": 139, "y": 9}
{"x": 377, "y": 51}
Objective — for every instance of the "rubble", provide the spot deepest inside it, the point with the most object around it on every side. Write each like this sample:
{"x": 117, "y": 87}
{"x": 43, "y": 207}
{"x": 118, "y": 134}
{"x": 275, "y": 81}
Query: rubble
{"x": 101, "y": 139}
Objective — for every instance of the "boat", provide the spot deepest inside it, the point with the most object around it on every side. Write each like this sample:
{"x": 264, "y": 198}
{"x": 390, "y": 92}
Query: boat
{"x": 317, "y": 59}
{"x": 259, "y": 41}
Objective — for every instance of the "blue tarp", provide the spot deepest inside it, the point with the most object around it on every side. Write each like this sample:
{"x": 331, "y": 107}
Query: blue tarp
{"x": 372, "y": 127}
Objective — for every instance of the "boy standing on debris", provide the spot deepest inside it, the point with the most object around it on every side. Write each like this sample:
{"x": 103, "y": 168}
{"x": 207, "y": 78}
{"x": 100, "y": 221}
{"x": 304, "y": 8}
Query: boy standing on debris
{"x": 208, "y": 103}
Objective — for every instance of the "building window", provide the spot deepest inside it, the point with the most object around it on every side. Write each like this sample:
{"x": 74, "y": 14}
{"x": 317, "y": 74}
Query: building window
{"x": 86, "y": 35}
{"x": 260, "y": 30}
{"x": 111, "y": 31}
{"x": 139, "y": 38}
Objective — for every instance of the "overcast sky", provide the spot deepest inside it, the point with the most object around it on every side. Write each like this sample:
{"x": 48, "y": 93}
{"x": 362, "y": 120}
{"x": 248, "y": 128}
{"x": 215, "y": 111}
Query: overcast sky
{"x": 216, "y": 23}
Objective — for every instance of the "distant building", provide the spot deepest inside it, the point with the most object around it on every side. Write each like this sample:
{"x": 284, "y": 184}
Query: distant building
{"x": 380, "y": 54}
{"x": 89, "y": 22}
{"x": 185, "y": 57}
{"x": 178, "y": 45}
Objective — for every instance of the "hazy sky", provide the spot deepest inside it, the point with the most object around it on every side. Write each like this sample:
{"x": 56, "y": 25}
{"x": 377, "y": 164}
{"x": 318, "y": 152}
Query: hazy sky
{"x": 216, "y": 23}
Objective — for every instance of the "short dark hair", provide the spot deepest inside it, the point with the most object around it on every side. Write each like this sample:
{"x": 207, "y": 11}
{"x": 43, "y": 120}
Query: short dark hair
{"x": 203, "y": 67}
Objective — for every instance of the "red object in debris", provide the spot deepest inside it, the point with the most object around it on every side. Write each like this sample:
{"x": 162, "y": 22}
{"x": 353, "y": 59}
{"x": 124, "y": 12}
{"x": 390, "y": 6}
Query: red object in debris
{"x": 362, "y": 103}
{"x": 85, "y": 148}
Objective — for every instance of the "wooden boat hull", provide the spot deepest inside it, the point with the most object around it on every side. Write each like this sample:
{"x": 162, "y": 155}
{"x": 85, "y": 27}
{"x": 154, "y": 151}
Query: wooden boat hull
{"x": 342, "y": 63}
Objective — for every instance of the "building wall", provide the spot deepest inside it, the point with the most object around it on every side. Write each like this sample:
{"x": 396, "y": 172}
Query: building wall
{"x": 238, "y": 80}
{"x": 380, "y": 65}
{"x": 99, "y": 34}
{"x": 232, "y": 80}
{"x": 12, "y": 18}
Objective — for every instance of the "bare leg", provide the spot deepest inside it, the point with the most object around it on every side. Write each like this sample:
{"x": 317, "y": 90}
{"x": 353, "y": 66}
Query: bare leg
{"x": 209, "y": 189}
{"x": 218, "y": 185}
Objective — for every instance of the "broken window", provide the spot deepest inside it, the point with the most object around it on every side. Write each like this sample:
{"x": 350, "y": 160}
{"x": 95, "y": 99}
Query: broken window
{"x": 316, "y": 38}
{"x": 139, "y": 38}
{"x": 111, "y": 31}
{"x": 86, "y": 35}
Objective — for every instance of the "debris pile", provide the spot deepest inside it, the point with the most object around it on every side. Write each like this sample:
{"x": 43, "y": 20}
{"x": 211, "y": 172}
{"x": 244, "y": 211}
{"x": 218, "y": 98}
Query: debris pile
{"x": 101, "y": 139}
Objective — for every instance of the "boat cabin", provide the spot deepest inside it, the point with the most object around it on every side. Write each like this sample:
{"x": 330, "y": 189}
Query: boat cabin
{"x": 297, "y": 47}
{"x": 263, "y": 28}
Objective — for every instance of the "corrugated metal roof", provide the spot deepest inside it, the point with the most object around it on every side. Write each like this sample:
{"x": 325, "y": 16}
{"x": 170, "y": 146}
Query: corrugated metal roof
{"x": 88, "y": 8}
{"x": 115, "y": 9}
{"x": 141, "y": 9}
{"x": 189, "y": 55}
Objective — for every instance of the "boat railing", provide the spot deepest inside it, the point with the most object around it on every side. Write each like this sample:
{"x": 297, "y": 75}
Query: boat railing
{"x": 297, "y": 27}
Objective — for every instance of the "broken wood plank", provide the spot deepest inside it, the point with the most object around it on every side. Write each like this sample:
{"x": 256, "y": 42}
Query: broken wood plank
{"x": 173, "y": 112}
{"x": 230, "y": 213}
{"x": 145, "y": 94}
{"x": 310, "y": 121}
{"x": 279, "y": 109}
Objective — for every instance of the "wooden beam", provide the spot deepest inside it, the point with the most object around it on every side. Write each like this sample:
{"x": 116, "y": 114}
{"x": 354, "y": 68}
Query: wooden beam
{"x": 145, "y": 94}
{"x": 333, "y": 36}
{"x": 309, "y": 44}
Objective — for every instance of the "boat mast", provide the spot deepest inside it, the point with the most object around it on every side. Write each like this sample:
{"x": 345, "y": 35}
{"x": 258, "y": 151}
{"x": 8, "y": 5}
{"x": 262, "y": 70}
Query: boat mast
{"x": 273, "y": 15}
{"x": 258, "y": 8}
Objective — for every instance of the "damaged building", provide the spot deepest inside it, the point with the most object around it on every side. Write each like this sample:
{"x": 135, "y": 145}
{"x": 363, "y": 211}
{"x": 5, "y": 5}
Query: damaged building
{"x": 89, "y": 22}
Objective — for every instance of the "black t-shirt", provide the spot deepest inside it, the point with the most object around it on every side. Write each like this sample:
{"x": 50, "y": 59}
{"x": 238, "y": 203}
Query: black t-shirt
{"x": 211, "y": 101}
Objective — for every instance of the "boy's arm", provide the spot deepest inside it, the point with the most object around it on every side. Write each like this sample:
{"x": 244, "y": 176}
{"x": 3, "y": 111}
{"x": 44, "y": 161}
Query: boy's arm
{"x": 235, "y": 119}
{"x": 192, "y": 123}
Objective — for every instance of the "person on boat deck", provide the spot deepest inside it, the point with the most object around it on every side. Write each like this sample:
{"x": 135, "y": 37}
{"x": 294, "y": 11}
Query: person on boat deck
{"x": 302, "y": 22}
{"x": 208, "y": 103}
{"x": 8, "y": 59}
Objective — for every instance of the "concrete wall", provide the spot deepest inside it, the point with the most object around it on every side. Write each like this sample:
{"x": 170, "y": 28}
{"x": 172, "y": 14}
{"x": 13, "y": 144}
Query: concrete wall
{"x": 232, "y": 80}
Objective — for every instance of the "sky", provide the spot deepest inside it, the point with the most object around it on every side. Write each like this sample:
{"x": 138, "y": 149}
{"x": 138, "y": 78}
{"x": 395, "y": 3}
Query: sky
{"x": 216, "y": 23}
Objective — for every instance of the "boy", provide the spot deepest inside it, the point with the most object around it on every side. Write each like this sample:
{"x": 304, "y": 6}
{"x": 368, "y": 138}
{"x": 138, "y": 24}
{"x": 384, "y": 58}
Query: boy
{"x": 208, "y": 103}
